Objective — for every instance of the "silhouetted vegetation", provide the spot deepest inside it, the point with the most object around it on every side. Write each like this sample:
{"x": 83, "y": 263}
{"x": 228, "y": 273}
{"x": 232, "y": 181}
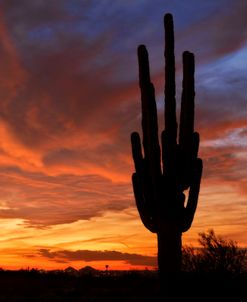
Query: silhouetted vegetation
{"x": 216, "y": 255}
{"x": 72, "y": 286}
{"x": 158, "y": 187}
{"x": 88, "y": 284}
{"x": 217, "y": 270}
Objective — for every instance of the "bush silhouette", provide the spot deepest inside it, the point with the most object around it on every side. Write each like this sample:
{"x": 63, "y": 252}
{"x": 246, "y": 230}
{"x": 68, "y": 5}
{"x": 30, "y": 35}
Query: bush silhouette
{"x": 215, "y": 255}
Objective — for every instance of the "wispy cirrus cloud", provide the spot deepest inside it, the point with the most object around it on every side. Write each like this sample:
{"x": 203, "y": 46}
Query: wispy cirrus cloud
{"x": 43, "y": 200}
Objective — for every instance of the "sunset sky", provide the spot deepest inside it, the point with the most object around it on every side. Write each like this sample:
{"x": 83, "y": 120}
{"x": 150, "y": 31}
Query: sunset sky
{"x": 69, "y": 99}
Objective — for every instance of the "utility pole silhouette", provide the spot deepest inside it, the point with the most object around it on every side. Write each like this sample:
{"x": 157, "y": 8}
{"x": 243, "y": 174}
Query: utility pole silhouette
{"x": 162, "y": 176}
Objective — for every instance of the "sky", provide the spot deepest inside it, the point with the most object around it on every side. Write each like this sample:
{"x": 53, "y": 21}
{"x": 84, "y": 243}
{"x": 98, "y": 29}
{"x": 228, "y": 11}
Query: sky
{"x": 69, "y": 100}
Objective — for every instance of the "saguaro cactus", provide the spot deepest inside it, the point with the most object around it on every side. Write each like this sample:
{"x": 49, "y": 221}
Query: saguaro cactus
{"x": 162, "y": 177}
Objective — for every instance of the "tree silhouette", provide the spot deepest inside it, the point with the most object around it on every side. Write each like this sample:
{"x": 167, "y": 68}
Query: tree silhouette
{"x": 159, "y": 187}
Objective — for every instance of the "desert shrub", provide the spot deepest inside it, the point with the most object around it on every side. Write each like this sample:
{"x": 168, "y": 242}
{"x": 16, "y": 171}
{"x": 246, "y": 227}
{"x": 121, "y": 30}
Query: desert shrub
{"x": 215, "y": 255}
{"x": 190, "y": 259}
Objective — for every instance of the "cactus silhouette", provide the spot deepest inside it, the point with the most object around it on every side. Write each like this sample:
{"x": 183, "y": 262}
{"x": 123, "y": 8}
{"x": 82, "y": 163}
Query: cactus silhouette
{"x": 161, "y": 177}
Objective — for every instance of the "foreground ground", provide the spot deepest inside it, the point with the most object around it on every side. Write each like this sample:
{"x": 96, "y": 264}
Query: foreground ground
{"x": 34, "y": 286}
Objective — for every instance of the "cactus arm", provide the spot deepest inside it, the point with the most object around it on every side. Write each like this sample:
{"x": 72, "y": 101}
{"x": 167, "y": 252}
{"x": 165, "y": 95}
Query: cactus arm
{"x": 144, "y": 212}
{"x": 186, "y": 129}
{"x": 189, "y": 142}
{"x": 186, "y": 126}
{"x": 169, "y": 135}
{"x": 190, "y": 209}
{"x": 152, "y": 169}
{"x": 195, "y": 144}
{"x": 170, "y": 86}
{"x": 137, "y": 152}
{"x": 141, "y": 186}
{"x": 149, "y": 115}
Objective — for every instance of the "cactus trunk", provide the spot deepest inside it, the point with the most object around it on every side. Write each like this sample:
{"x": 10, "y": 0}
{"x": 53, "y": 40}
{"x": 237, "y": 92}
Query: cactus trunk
{"x": 169, "y": 250}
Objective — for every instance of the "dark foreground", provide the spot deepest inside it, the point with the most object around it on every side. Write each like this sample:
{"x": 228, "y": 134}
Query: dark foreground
{"x": 34, "y": 286}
